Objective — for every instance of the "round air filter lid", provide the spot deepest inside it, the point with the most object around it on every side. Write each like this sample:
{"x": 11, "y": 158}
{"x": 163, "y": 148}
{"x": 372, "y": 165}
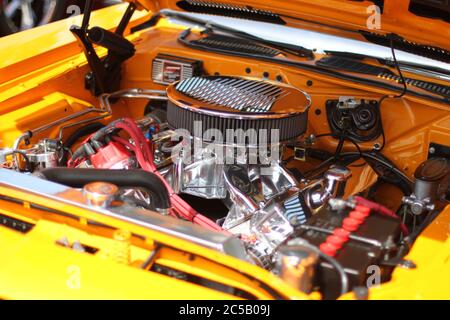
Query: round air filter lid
{"x": 227, "y": 96}
{"x": 228, "y": 102}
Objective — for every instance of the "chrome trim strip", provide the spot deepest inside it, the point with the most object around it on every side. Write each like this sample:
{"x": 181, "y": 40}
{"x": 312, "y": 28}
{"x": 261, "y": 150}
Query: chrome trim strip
{"x": 151, "y": 220}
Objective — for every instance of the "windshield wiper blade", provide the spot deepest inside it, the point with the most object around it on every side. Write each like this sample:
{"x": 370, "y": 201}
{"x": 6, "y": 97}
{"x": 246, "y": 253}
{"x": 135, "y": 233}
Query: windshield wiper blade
{"x": 284, "y": 47}
{"x": 357, "y": 66}
{"x": 427, "y": 71}
{"x": 400, "y": 43}
{"x": 423, "y": 70}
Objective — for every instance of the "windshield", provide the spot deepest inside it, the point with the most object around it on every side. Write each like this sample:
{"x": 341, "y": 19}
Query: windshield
{"x": 320, "y": 42}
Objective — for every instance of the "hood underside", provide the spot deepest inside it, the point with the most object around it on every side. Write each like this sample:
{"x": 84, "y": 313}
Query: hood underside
{"x": 424, "y": 22}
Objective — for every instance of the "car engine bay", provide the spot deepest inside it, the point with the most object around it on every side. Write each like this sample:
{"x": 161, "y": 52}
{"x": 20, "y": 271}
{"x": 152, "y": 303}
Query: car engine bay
{"x": 317, "y": 180}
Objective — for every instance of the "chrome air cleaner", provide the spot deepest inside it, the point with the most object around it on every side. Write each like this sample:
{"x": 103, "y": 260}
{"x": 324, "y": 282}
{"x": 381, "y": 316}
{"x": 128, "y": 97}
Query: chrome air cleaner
{"x": 226, "y": 102}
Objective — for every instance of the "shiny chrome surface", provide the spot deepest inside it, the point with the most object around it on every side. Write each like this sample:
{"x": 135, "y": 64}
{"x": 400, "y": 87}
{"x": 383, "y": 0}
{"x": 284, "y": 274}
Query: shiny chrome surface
{"x": 235, "y": 93}
{"x": 100, "y": 194}
{"x": 45, "y": 154}
{"x": 263, "y": 200}
{"x": 270, "y": 226}
{"x": 147, "y": 219}
{"x": 104, "y": 111}
{"x": 249, "y": 190}
{"x": 238, "y": 97}
{"x": 336, "y": 177}
{"x": 319, "y": 192}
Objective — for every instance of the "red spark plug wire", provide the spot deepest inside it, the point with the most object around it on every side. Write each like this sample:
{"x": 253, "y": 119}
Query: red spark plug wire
{"x": 144, "y": 156}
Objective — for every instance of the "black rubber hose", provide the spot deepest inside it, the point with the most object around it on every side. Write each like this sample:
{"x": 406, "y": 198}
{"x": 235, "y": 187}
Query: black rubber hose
{"x": 81, "y": 132}
{"x": 77, "y": 134}
{"x": 133, "y": 178}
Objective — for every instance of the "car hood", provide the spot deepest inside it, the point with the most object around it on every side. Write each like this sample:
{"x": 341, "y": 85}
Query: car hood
{"x": 419, "y": 21}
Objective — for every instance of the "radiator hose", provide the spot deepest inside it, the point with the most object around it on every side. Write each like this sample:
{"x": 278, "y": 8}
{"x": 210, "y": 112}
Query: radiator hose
{"x": 134, "y": 178}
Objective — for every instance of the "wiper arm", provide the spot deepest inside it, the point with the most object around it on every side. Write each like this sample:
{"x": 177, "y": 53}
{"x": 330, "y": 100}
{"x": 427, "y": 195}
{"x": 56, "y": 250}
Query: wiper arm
{"x": 287, "y": 48}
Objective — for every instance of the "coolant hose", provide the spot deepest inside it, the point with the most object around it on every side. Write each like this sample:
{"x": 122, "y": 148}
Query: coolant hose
{"x": 133, "y": 178}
